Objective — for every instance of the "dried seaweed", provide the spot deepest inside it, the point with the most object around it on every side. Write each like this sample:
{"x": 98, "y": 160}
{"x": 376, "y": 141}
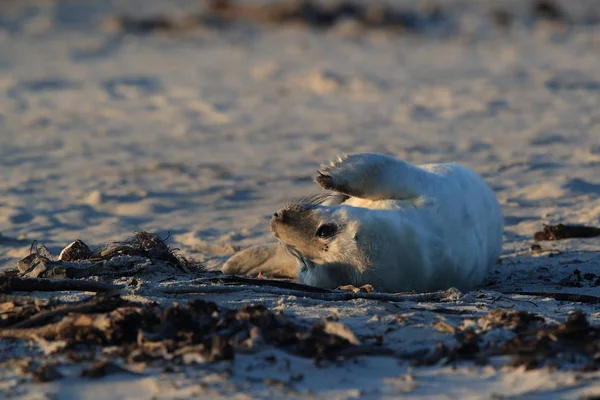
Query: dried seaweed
{"x": 100, "y": 303}
{"x": 258, "y": 286}
{"x": 562, "y": 231}
{"x": 323, "y": 16}
{"x": 142, "y": 244}
{"x": 158, "y": 23}
{"x": 10, "y": 284}
{"x": 313, "y": 14}
{"x": 235, "y": 280}
{"x": 150, "y": 332}
{"x": 15, "y": 309}
{"x": 117, "y": 259}
{"x": 535, "y": 344}
{"x": 219, "y": 14}
{"x": 515, "y": 320}
{"x": 540, "y": 347}
{"x": 40, "y": 371}
{"x": 579, "y": 298}
{"x": 201, "y": 331}
{"x": 549, "y": 10}
{"x": 102, "y": 368}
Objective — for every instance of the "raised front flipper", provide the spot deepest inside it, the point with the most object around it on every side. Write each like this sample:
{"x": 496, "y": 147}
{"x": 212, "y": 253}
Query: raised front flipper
{"x": 374, "y": 177}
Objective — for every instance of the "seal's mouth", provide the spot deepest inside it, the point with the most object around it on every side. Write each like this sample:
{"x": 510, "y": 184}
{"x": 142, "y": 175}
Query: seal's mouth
{"x": 305, "y": 263}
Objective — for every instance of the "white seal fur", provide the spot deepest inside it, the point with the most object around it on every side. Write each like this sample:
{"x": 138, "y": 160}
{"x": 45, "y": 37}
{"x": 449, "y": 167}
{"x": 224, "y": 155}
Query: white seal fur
{"x": 388, "y": 223}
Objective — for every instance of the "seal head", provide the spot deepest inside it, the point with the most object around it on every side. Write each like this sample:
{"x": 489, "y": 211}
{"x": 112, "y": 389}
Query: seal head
{"x": 324, "y": 240}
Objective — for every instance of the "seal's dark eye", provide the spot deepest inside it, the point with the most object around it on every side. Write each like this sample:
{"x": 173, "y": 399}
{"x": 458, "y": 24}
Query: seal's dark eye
{"x": 326, "y": 231}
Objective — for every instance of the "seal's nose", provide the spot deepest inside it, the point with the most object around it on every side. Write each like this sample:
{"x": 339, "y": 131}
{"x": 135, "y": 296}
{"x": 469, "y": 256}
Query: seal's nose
{"x": 280, "y": 216}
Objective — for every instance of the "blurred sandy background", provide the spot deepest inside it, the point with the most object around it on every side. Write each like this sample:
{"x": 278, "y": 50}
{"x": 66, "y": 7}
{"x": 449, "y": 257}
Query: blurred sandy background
{"x": 198, "y": 122}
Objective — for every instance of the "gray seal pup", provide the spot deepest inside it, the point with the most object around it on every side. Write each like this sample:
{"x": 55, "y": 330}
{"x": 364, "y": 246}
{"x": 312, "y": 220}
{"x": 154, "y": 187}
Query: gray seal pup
{"x": 385, "y": 222}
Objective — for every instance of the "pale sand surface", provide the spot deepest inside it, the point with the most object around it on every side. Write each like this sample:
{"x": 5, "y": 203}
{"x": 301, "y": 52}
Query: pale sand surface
{"x": 205, "y": 134}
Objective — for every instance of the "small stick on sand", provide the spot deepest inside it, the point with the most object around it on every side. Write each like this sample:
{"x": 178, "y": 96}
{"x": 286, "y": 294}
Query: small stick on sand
{"x": 239, "y": 280}
{"x": 577, "y": 298}
{"x": 10, "y": 284}
{"x": 324, "y": 296}
{"x": 104, "y": 303}
{"x": 31, "y": 333}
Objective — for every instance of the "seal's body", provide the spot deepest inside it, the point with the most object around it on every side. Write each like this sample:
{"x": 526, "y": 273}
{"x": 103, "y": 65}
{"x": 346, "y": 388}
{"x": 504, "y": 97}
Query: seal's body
{"x": 391, "y": 224}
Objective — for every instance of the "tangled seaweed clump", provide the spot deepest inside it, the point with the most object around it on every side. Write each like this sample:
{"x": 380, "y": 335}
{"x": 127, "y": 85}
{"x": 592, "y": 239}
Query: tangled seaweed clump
{"x": 142, "y": 244}
{"x": 575, "y": 340}
{"x": 117, "y": 259}
{"x": 200, "y": 331}
{"x": 311, "y": 14}
{"x": 531, "y": 343}
{"x": 146, "y": 333}
{"x": 566, "y": 231}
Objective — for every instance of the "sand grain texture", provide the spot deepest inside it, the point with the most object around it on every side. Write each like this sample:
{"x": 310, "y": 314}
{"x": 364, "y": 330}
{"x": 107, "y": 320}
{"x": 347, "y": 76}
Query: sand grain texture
{"x": 201, "y": 130}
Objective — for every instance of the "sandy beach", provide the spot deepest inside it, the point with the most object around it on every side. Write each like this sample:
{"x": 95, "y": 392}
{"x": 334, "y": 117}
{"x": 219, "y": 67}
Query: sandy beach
{"x": 125, "y": 116}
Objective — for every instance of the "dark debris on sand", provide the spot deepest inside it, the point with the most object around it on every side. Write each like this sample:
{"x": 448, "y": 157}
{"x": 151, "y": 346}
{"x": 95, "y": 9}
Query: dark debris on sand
{"x": 562, "y": 231}
{"x": 572, "y": 344}
{"x": 324, "y": 16}
{"x": 549, "y": 10}
{"x": 319, "y": 14}
{"x": 113, "y": 334}
{"x": 313, "y": 14}
{"x": 77, "y": 261}
{"x": 151, "y": 333}
{"x": 574, "y": 340}
{"x": 142, "y": 244}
